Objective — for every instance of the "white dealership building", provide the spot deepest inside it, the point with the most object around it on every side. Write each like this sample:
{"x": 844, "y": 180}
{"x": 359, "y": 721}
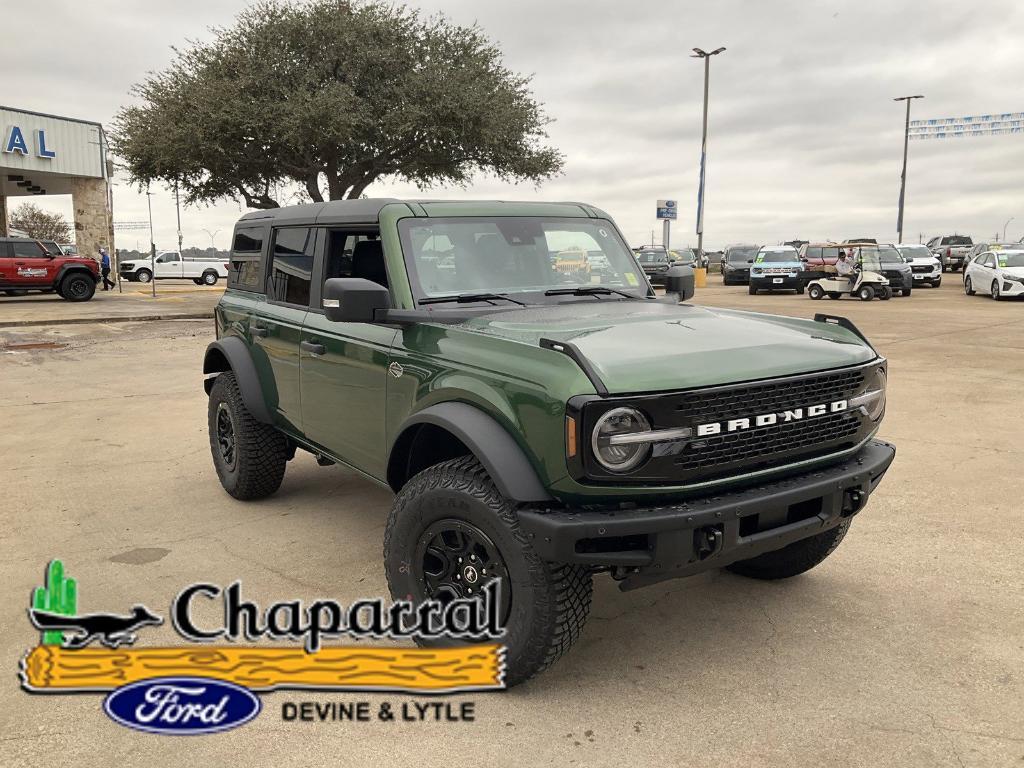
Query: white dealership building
{"x": 44, "y": 154}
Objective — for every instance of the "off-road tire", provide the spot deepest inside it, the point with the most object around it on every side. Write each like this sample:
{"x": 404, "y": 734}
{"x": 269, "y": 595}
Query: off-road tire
{"x": 798, "y": 557}
{"x": 261, "y": 452}
{"x": 816, "y": 292}
{"x": 550, "y": 602}
{"x": 969, "y": 287}
{"x": 77, "y": 287}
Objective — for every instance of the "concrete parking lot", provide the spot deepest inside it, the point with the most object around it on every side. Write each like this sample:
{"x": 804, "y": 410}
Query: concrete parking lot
{"x": 906, "y": 647}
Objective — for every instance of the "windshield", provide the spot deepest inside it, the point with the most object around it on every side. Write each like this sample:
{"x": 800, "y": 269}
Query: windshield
{"x": 516, "y": 254}
{"x": 957, "y": 240}
{"x": 740, "y": 254}
{"x": 1010, "y": 259}
{"x": 651, "y": 257}
{"x": 915, "y": 251}
{"x": 889, "y": 255}
{"x": 787, "y": 255}
{"x": 868, "y": 259}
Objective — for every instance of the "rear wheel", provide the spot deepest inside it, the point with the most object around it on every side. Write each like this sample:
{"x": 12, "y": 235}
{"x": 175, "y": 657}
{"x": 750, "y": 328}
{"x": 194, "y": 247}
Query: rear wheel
{"x": 77, "y": 287}
{"x": 815, "y": 292}
{"x": 249, "y": 456}
{"x": 865, "y": 293}
{"x": 797, "y": 558}
{"x": 907, "y": 291}
{"x": 800, "y": 289}
{"x": 885, "y": 293}
{"x": 197, "y": 281}
{"x": 210, "y": 277}
{"x": 835, "y": 295}
{"x": 450, "y": 532}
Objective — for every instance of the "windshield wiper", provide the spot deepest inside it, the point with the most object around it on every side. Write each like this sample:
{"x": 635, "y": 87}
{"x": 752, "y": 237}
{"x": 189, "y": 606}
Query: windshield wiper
{"x": 589, "y": 290}
{"x": 466, "y": 298}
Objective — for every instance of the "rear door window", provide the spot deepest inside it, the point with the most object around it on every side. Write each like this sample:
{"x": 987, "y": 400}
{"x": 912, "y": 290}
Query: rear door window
{"x": 245, "y": 271}
{"x": 28, "y": 249}
{"x": 291, "y": 266}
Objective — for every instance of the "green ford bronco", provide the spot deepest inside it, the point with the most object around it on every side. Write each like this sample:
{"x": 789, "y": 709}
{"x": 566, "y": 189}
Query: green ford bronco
{"x": 538, "y": 425}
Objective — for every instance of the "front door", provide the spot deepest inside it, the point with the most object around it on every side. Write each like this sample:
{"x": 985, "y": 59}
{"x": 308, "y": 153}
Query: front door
{"x": 276, "y": 325}
{"x": 345, "y": 365}
{"x": 27, "y": 265}
{"x": 168, "y": 265}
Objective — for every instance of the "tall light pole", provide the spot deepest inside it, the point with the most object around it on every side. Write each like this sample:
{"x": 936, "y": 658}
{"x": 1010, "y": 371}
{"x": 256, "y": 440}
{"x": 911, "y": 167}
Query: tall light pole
{"x": 152, "y": 243}
{"x": 699, "y": 54}
{"x": 177, "y": 208}
{"x": 212, "y": 235}
{"x": 903, "y": 176}
{"x": 1005, "y": 226}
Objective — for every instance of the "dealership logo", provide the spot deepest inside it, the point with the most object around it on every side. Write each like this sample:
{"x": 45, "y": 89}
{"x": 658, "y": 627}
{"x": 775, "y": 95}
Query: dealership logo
{"x": 189, "y": 688}
{"x": 770, "y": 419}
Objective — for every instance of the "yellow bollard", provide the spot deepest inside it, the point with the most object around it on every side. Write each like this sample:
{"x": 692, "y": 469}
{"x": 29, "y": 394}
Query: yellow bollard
{"x": 700, "y": 277}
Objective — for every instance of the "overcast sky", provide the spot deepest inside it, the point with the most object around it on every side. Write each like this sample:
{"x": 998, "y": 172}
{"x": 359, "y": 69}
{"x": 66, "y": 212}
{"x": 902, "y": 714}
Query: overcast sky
{"x": 805, "y": 140}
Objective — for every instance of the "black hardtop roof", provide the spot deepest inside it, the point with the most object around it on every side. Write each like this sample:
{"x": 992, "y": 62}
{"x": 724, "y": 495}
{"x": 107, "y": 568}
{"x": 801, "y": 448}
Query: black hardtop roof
{"x": 367, "y": 210}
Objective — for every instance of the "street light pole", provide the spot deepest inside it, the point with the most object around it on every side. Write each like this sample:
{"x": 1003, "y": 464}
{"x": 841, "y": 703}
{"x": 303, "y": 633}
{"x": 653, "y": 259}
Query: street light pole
{"x": 212, "y": 235}
{"x": 903, "y": 176}
{"x": 700, "y": 54}
{"x": 152, "y": 243}
{"x": 177, "y": 208}
{"x": 1005, "y": 226}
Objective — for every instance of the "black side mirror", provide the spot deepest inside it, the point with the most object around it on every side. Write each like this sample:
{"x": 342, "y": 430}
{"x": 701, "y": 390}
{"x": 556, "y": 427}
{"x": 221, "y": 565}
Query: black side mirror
{"x": 354, "y": 299}
{"x": 679, "y": 279}
{"x": 750, "y": 261}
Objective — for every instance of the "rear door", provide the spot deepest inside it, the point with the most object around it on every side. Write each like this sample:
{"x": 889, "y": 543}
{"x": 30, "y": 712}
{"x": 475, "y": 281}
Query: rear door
{"x": 30, "y": 265}
{"x": 276, "y": 324}
{"x": 345, "y": 365}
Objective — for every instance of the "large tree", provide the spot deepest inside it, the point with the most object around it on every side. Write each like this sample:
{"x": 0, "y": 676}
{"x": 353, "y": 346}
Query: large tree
{"x": 39, "y": 224}
{"x": 332, "y": 95}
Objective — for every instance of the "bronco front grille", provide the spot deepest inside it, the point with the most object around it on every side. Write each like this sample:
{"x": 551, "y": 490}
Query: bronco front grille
{"x": 718, "y": 456}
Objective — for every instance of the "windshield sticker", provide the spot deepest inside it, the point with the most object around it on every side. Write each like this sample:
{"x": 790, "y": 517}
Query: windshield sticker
{"x": 631, "y": 279}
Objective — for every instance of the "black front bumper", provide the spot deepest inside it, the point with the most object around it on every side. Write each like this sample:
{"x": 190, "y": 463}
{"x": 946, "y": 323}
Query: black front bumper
{"x": 671, "y": 541}
{"x": 767, "y": 282}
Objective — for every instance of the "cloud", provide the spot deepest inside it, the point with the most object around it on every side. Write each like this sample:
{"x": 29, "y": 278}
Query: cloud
{"x": 805, "y": 140}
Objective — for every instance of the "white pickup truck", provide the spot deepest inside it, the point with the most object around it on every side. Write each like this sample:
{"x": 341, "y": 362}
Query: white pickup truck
{"x": 169, "y": 264}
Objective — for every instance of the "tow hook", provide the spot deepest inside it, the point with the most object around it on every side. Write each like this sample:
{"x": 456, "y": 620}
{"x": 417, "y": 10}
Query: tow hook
{"x": 708, "y": 541}
{"x": 853, "y": 501}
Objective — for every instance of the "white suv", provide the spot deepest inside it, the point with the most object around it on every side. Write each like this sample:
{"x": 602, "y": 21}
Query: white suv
{"x": 927, "y": 269}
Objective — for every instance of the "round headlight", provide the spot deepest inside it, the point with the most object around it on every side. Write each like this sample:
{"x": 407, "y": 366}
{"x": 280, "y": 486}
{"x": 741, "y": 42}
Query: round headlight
{"x": 613, "y": 455}
{"x": 874, "y": 395}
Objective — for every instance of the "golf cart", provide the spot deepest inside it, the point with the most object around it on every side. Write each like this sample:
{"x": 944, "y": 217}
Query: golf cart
{"x": 868, "y": 281}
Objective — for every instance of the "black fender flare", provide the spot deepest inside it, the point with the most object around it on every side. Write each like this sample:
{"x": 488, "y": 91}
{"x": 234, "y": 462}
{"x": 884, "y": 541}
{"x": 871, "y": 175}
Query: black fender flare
{"x": 231, "y": 354}
{"x": 489, "y": 442}
{"x": 68, "y": 269}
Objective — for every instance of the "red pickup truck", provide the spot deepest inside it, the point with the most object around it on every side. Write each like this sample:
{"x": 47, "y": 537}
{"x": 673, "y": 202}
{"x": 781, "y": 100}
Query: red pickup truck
{"x": 26, "y": 265}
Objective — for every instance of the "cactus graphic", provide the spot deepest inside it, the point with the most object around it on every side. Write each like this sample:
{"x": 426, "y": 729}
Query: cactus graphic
{"x": 60, "y": 595}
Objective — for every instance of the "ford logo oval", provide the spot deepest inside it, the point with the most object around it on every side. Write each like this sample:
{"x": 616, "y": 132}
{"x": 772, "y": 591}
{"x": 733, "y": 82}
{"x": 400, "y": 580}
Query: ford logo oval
{"x": 182, "y": 705}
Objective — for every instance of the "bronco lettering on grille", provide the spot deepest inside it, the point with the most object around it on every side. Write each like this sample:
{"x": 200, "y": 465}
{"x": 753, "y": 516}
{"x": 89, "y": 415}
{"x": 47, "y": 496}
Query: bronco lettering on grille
{"x": 768, "y": 419}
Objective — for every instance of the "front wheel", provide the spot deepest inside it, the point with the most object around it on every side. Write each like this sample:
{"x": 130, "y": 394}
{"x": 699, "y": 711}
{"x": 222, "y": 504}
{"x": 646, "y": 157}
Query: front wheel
{"x": 144, "y": 276}
{"x": 968, "y": 287}
{"x": 995, "y": 290}
{"x": 797, "y": 558}
{"x": 450, "y": 532}
{"x": 815, "y": 292}
{"x": 835, "y": 295}
{"x": 78, "y": 287}
{"x": 249, "y": 456}
{"x": 752, "y": 290}
{"x": 907, "y": 291}
{"x": 800, "y": 290}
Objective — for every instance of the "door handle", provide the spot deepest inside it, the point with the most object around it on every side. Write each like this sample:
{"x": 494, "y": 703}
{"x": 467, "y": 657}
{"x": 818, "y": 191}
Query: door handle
{"x": 259, "y": 330}
{"x": 312, "y": 347}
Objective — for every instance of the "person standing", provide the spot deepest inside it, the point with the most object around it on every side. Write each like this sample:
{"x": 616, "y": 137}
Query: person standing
{"x": 108, "y": 284}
